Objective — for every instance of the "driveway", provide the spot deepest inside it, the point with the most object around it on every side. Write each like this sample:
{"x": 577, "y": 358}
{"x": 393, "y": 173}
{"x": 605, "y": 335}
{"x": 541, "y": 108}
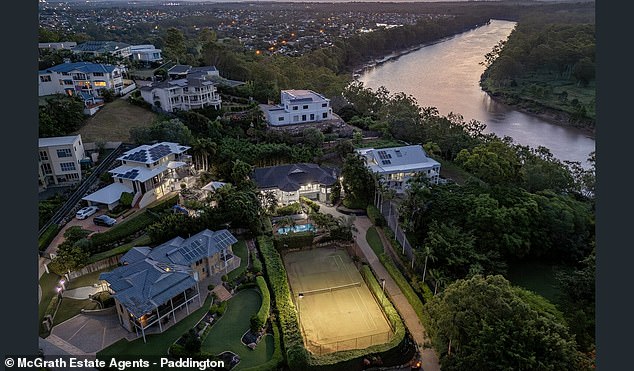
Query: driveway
{"x": 90, "y": 333}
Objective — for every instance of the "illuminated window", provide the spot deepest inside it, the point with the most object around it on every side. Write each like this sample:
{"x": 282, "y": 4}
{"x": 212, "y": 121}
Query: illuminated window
{"x": 100, "y": 83}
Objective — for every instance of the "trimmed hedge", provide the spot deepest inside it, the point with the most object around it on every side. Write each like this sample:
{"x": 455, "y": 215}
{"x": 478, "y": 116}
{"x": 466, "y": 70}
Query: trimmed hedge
{"x": 277, "y": 359}
{"x": 402, "y": 283}
{"x": 164, "y": 204}
{"x": 256, "y": 264}
{"x": 375, "y": 216}
{"x": 290, "y": 209}
{"x": 296, "y": 354}
{"x": 47, "y": 237}
{"x": 293, "y": 240}
{"x": 259, "y": 319}
{"x": 103, "y": 241}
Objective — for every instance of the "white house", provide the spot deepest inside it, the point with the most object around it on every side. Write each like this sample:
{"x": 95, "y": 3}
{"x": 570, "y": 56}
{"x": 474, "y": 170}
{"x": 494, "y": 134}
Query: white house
{"x": 72, "y": 78}
{"x": 289, "y": 182}
{"x": 145, "y": 53}
{"x": 299, "y": 107}
{"x": 193, "y": 88}
{"x": 99, "y": 48}
{"x": 59, "y": 160}
{"x": 397, "y": 165}
{"x": 149, "y": 172}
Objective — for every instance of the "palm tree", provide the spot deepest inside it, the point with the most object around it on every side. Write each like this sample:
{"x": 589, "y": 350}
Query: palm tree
{"x": 427, "y": 251}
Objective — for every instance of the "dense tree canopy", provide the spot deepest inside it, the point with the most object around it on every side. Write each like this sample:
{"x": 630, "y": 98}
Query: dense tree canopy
{"x": 484, "y": 323}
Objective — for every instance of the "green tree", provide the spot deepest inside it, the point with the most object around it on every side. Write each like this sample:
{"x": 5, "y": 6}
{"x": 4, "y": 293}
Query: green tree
{"x": 174, "y": 47}
{"x": 494, "y": 162}
{"x": 358, "y": 182}
{"x": 484, "y": 323}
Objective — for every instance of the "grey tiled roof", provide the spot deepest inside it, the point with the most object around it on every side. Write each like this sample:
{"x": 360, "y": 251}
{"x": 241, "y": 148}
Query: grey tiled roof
{"x": 151, "y": 277}
{"x": 290, "y": 177}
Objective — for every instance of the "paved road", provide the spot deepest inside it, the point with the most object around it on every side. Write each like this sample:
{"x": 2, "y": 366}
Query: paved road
{"x": 429, "y": 357}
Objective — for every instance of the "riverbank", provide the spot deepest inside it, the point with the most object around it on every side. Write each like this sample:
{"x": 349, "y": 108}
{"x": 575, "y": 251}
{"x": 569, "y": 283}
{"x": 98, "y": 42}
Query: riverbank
{"x": 359, "y": 69}
{"x": 548, "y": 114}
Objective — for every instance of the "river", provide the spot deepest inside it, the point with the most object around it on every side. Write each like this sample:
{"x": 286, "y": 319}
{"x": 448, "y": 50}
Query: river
{"x": 446, "y": 75}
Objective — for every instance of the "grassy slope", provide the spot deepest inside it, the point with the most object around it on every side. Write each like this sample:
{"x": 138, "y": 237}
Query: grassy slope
{"x": 374, "y": 241}
{"x": 113, "y": 122}
{"x": 240, "y": 249}
{"x": 227, "y": 333}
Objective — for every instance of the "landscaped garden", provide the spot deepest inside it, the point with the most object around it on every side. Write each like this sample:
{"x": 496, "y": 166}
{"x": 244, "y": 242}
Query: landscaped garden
{"x": 226, "y": 333}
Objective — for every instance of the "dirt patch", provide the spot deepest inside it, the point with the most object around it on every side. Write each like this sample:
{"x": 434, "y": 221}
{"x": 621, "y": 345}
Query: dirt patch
{"x": 114, "y": 121}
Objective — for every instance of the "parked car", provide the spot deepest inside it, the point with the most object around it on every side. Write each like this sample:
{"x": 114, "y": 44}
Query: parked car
{"x": 104, "y": 220}
{"x": 85, "y": 212}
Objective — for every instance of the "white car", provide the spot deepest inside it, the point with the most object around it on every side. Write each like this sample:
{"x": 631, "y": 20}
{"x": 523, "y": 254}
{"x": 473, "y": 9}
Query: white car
{"x": 85, "y": 212}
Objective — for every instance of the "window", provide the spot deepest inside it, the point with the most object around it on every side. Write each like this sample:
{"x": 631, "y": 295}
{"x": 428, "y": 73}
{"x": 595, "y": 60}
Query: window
{"x": 46, "y": 169}
{"x": 100, "y": 83}
{"x": 281, "y": 118}
{"x": 68, "y": 166}
{"x": 73, "y": 176}
{"x": 45, "y": 78}
{"x": 97, "y": 73}
{"x": 65, "y": 74}
{"x": 66, "y": 152}
{"x": 295, "y": 108}
{"x": 324, "y": 104}
{"x": 43, "y": 155}
{"x": 312, "y": 116}
{"x": 305, "y": 106}
{"x": 68, "y": 82}
{"x": 324, "y": 115}
{"x": 303, "y": 117}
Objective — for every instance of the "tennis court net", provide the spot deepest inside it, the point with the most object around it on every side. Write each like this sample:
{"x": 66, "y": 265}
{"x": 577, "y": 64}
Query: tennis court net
{"x": 329, "y": 289}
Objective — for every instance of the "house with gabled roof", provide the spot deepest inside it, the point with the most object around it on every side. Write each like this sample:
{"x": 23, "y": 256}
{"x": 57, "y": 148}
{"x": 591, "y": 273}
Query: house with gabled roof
{"x": 149, "y": 172}
{"x": 396, "y": 165}
{"x": 153, "y": 284}
{"x": 289, "y": 182}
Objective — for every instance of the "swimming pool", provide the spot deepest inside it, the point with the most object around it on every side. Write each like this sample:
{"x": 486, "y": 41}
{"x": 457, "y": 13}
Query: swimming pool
{"x": 297, "y": 228}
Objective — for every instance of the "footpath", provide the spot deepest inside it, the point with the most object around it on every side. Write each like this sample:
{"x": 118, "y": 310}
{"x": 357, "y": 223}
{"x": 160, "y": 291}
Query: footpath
{"x": 429, "y": 358}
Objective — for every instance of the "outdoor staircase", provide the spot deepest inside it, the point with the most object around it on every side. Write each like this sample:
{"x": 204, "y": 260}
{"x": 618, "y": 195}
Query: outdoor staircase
{"x": 222, "y": 293}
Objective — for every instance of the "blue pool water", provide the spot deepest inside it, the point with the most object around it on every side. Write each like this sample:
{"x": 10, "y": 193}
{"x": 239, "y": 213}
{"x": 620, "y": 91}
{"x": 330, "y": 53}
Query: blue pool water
{"x": 297, "y": 228}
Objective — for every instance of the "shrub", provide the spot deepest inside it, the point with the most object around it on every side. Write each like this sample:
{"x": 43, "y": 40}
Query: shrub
{"x": 103, "y": 241}
{"x": 296, "y": 354}
{"x": 402, "y": 283}
{"x": 126, "y": 199}
{"x": 314, "y": 206}
{"x": 293, "y": 240}
{"x": 375, "y": 216}
{"x": 256, "y": 264}
{"x": 290, "y": 209}
{"x": 47, "y": 237}
{"x": 259, "y": 319}
{"x": 210, "y": 287}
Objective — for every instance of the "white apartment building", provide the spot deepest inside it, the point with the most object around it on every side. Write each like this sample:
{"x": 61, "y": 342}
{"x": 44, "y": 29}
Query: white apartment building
{"x": 299, "y": 107}
{"x": 396, "y": 165}
{"x": 60, "y": 160}
{"x": 195, "y": 90}
{"x": 149, "y": 172}
{"x": 68, "y": 45}
{"x": 86, "y": 77}
{"x": 145, "y": 53}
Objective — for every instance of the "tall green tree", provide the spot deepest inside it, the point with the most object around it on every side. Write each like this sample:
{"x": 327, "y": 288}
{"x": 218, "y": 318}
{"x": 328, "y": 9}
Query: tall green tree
{"x": 484, "y": 323}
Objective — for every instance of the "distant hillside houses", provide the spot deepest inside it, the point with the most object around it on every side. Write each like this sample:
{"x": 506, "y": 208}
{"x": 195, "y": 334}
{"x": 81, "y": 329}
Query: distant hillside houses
{"x": 100, "y": 48}
{"x": 84, "y": 79}
{"x": 188, "y": 88}
{"x": 298, "y": 107}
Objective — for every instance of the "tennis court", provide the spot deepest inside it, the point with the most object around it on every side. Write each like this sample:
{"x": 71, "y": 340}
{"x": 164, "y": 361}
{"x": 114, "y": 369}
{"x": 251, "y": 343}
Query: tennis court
{"x": 336, "y": 309}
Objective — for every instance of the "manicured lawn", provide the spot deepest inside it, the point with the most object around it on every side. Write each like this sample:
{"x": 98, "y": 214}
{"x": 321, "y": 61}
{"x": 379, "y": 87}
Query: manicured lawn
{"x": 227, "y": 332}
{"x": 239, "y": 249}
{"x": 86, "y": 280}
{"x": 374, "y": 241}
{"x": 143, "y": 240}
{"x": 157, "y": 344}
{"x": 114, "y": 121}
{"x": 69, "y": 308}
